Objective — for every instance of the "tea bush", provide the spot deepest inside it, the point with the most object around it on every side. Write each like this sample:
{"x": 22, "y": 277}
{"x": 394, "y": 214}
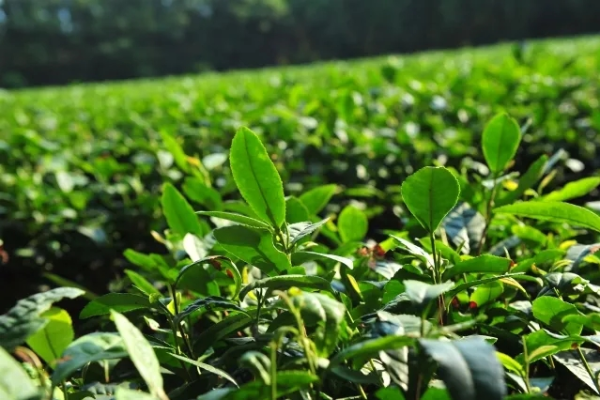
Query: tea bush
{"x": 377, "y": 247}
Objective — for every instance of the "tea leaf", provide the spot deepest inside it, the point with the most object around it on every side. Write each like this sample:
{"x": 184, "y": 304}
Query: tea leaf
{"x": 421, "y": 293}
{"x": 500, "y": 140}
{"x": 551, "y": 311}
{"x": 430, "y": 194}
{"x": 316, "y": 199}
{"x": 352, "y": 224}
{"x": 484, "y": 264}
{"x": 210, "y": 303}
{"x": 465, "y": 227}
{"x": 554, "y": 211}
{"x": 23, "y": 320}
{"x": 141, "y": 354}
{"x": 206, "y": 367}
{"x": 141, "y": 282}
{"x": 257, "y": 178}
{"x": 50, "y": 342}
{"x": 253, "y": 246}
{"x": 238, "y": 218}
{"x": 178, "y": 212}
{"x": 122, "y": 302}
{"x": 573, "y": 190}
{"x": 95, "y": 346}
{"x": 287, "y": 281}
{"x": 301, "y": 257}
{"x": 295, "y": 211}
{"x": 531, "y": 176}
{"x": 202, "y": 194}
{"x": 469, "y": 368}
{"x": 220, "y": 330}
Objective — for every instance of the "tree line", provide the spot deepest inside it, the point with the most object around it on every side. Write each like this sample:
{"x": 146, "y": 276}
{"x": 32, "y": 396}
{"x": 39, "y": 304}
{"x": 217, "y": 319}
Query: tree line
{"x": 47, "y": 42}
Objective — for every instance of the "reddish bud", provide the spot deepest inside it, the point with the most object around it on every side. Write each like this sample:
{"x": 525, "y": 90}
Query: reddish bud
{"x": 455, "y": 303}
{"x": 215, "y": 263}
{"x": 229, "y": 274}
{"x": 472, "y": 305}
{"x": 512, "y": 264}
{"x": 378, "y": 251}
{"x": 363, "y": 252}
{"x": 574, "y": 346}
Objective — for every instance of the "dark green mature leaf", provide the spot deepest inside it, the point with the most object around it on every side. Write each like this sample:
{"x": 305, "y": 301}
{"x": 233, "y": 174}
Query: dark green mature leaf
{"x": 253, "y": 246}
{"x": 533, "y": 174}
{"x": 500, "y": 142}
{"x": 430, "y": 194}
{"x": 372, "y": 346}
{"x": 352, "y": 224}
{"x": 316, "y": 199}
{"x": 257, "y": 178}
{"x": 464, "y": 226}
{"x": 554, "y": 211}
{"x": 210, "y": 303}
{"x": 216, "y": 262}
{"x": 327, "y": 310}
{"x": 179, "y": 214}
{"x": 50, "y": 342}
{"x": 484, "y": 264}
{"x": 295, "y": 211}
{"x": 15, "y": 384}
{"x": 23, "y": 320}
{"x": 122, "y": 302}
{"x": 206, "y": 367}
{"x": 469, "y": 368}
{"x": 551, "y": 311}
{"x": 283, "y": 282}
{"x": 573, "y": 190}
{"x": 572, "y": 361}
{"x": 233, "y": 217}
{"x": 141, "y": 353}
{"x": 89, "y": 348}
{"x": 221, "y": 329}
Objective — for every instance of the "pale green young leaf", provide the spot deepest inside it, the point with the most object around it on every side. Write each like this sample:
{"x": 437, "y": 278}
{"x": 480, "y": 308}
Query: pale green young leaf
{"x": 500, "y": 141}
{"x": 352, "y": 224}
{"x": 179, "y": 214}
{"x": 50, "y": 342}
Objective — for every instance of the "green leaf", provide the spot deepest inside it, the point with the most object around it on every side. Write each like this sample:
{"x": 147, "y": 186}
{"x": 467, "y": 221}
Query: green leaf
{"x": 221, "y": 329}
{"x": 283, "y": 282}
{"x": 573, "y": 190}
{"x": 421, "y": 293}
{"x": 301, "y": 257}
{"x": 207, "y": 367}
{"x": 216, "y": 262}
{"x": 316, "y": 199}
{"x": 175, "y": 149}
{"x": 300, "y": 230}
{"x": 464, "y": 226}
{"x": 554, "y": 211}
{"x": 486, "y": 293}
{"x": 372, "y": 346}
{"x": 430, "y": 194}
{"x": 178, "y": 212}
{"x": 257, "y": 178}
{"x": 469, "y": 368}
{"x": 500, "y": 141}
{"x": 195, "y": 248}
{"x": 211, "y": 303}
{"x": 531, "y": 176}
{"x": 233, "y": 217}
{"x": 89, "y": 348}
{"x": 259, "y": 364}
{"x": 23, "y": 320}
{"x": 141, "y": 353}
{"x": 572, "y": 361}
{"x": 122, "y": 302}
{"x": 511, "y": 364}
{"x": 50, "y": 342}
{"x": 551, "y": 311}
{"x": 141, "y": 282}
{"x": 254, "y": 246}
{"x": 15, "y": 384}
{"x": 127, "y": 394}
{"x": 485, "y": 264}
{"x": 295, "y": 211}
{"x": 202, "y": 194}
{"x": 328, "y": 311}
{"x": 352, "y": 224}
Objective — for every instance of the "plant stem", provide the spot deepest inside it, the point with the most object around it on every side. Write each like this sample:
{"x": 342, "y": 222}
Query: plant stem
{"x": 526, "y": 358}
{"x": 488, "y": 214}
{"x": 588, "y": 369}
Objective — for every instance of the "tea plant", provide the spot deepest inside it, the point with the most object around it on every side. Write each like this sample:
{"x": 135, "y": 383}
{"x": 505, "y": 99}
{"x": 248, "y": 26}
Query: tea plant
{"x": 486, "y": 293}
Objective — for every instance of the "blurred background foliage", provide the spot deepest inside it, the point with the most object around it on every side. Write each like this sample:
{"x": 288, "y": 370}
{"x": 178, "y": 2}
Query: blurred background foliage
{"x": 50, "y": 42}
